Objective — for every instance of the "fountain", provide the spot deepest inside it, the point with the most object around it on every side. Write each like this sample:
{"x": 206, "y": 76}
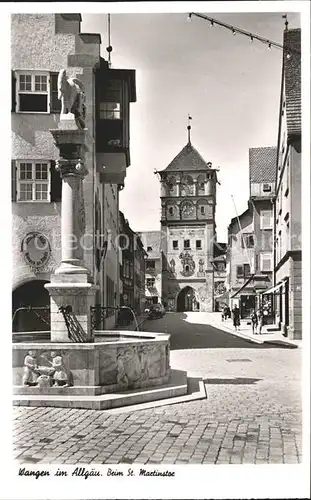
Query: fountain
{"x": 78, "y": 367}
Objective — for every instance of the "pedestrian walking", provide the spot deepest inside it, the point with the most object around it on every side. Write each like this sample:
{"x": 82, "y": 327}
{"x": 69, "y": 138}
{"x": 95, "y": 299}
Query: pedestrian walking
{"x": 260, "y": 321}
{"x": 254, "y": 320}
{"x": 227, "y": 312}
{"x": 236, "y": 317}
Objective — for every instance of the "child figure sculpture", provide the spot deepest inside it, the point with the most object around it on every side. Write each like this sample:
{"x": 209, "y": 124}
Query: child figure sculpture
{"x": 60, "y": 375}
{"x": 30, "y": 369}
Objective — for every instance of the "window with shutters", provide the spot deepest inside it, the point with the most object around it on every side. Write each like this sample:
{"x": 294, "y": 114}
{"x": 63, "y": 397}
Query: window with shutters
{"x": 239, "y": 272}
{"x": 265, "y": 219}
{"x": 266, "y": 262}
{"x": 246, "y": 270}
{"x": 35, "y": 181}
{"x": 55, "y": 106}
{"x": 287, "y": 176}
{"x": 35, "y": 92}
{"x": 281, "y": 199}
{"x": 247, "y": 240}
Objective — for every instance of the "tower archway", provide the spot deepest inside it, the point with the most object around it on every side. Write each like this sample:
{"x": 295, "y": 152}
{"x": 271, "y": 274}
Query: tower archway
{"x": 186, "y": 300}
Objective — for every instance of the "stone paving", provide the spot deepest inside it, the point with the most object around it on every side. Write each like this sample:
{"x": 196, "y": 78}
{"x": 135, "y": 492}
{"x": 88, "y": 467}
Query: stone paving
{"x": 252, "y": 415}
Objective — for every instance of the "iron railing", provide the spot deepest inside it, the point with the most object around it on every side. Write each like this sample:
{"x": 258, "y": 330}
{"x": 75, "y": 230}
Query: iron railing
{"x": 99, "y": 314}
{"x": 30, "y": 309}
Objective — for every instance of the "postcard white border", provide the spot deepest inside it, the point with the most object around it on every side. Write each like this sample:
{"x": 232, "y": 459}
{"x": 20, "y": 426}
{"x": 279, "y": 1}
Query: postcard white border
{"x": 247, "y": 481}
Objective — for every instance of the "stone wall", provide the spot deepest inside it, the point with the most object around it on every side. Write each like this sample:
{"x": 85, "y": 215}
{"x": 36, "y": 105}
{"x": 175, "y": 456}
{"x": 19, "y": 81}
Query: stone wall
{"x": 96, "y": 368}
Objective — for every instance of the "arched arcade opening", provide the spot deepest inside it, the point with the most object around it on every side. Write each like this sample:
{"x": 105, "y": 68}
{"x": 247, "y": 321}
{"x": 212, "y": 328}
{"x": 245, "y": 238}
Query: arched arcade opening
{"x": 37, "y": 318}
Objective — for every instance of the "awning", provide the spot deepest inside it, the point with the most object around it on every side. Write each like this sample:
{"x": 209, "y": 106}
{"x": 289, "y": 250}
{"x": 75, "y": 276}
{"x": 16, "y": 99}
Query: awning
{"x": 243, "y": 286}
{"x": 273, "y": 289}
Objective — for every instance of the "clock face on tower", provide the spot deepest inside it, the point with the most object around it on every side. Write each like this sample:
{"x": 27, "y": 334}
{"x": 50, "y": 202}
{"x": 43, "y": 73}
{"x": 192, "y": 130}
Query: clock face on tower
{"x": 187, "y": 210}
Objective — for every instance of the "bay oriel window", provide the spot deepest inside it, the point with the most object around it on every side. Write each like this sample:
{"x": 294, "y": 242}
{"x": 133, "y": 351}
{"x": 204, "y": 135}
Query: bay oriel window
{"x": 111, "y": 113}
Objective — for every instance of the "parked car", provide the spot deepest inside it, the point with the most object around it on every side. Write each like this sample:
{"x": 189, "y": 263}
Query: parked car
{"x": 156, "y": 311}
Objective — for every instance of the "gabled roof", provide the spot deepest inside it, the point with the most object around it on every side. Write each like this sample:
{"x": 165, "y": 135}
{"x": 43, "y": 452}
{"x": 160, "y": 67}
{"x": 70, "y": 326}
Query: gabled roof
{"x": 247, "y": 212}
{"x": 188, "y": 159}
{"x": 262, "y": 164}
{"x": 292, "y": 77}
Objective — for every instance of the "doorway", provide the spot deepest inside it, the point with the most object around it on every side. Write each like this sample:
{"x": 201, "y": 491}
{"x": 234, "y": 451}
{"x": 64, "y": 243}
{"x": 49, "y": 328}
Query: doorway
{"x": 247, "y": 305}
{"x": 186, "y": 300}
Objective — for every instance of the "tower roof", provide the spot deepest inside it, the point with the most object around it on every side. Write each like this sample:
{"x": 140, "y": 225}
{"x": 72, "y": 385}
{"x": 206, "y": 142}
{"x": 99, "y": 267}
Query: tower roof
{"x": 187, "y": 159}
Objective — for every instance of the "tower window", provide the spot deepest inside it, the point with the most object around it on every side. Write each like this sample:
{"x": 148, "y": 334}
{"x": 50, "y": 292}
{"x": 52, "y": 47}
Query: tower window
{"x": 186, "y": 268}
{"x": 175, "y": 244}
{"x": 202, "y": 210}
{"x": 171, "y": 211}
{"x": 198, "y": 244}
{"x": 149, "y": 249}
{"x": 186, "y": 244}
{"x": 202, "y": 185}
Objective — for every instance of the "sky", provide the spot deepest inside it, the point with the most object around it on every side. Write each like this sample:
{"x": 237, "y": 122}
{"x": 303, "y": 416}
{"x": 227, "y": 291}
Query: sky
{"x": 228, "y": 84}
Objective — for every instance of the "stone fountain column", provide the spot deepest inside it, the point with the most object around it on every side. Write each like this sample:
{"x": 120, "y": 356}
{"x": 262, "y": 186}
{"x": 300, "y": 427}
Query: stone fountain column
{"x": 71, "y": 284}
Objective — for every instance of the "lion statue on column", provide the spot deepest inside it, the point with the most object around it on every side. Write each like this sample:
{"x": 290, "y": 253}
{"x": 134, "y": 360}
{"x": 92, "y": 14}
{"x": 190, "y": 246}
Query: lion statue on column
{"x": 72, "y": 96}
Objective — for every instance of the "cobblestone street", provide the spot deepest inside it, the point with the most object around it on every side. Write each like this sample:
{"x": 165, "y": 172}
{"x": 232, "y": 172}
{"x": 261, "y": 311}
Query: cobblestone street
{"x": 252, "y": 414}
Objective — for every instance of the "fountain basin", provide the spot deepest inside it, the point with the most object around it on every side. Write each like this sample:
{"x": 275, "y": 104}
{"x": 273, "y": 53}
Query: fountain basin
{"x": 114, "y": 363}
